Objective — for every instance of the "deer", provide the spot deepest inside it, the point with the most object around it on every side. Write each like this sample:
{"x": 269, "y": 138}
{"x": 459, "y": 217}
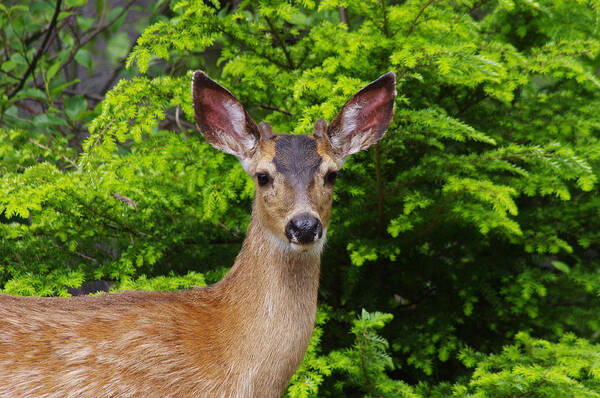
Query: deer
{"x": 243, "y": 336}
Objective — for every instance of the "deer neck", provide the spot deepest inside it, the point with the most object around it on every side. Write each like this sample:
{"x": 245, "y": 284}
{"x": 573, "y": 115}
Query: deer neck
{"x": 274, "y": 292}
{"x": 269, "y": 277}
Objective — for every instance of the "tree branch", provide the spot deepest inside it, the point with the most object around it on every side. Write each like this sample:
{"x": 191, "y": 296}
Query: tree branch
{"x": 283, "y": 47}
{"x": 119, "y": 68}
{"x": 244, "y": 47}
{"x": 414, "y": 22}
{"x": 386, "y": 29}
{"x": 343, "y": 12}
{"x": 117, "y": 223}
{"x": 274, "y": 108}
{"x": 380, "y": 221}
{"x": 96, "y": 32}
{"x": 476, "y": 100}
{"x": 39, "y": 52}
{"x": 92, "y": 96}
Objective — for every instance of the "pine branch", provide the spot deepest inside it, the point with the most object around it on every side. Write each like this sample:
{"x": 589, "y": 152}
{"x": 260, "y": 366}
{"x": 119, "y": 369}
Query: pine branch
{"x": 274, "y": 108}
{"x": 386, "y": 29}
{"x": 95, "y": 212}
{"x": 119, "y": 68}
{"x": 414, "y": 21}
{"x": 244, "y": 47}
{"x": 281, "y": 43}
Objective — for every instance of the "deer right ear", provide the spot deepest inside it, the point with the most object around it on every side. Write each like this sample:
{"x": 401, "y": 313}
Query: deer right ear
{"x": 222, "y": 119}
{"x": 364, "y": 118}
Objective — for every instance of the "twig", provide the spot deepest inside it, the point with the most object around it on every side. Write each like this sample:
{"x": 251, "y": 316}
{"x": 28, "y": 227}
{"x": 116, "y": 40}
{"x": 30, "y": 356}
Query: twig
{"x": 28, "y": 40}
{"x": 9, "y": 75}
{"x": 380, "y": 222}
{"x": 44, "y": 147}
{"x": 283, "y": 47}
{"x": 39, "y": 52}
{"x": 438, "y": 216}
{"x": 274, "y": 108}
{"x": 244, "y": 47}
{"x": 96, "y": 32}
{"x": 119, "y": 68}
{"x": 92, "y": 96}
{"x": 104, "y": 216}
{"x": 363, "y": 364}
{"x": 304, "y": 57}
{"x": 414, "y": 22}
{"x": 182, "y": 123}
{"x": 27, "y": 108}
{"x": 82, "y": 255}
{"x": 39, "y": 145}
{"x": 386, "y": 29}
{"x": 478, "y": 96}
{"x": 125, "y": 200}
{"x": 177, "y": 121}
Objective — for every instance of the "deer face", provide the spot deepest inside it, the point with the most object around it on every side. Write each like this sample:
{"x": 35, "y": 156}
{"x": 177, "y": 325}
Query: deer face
{"x": 294, "y": 174}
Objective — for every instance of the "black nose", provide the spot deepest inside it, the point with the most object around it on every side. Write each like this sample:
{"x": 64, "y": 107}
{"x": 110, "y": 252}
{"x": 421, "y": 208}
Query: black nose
{"x": 304, "y": 228}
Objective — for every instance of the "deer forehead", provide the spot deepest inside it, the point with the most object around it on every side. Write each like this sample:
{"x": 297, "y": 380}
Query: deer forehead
{"x": 296, "y": 157}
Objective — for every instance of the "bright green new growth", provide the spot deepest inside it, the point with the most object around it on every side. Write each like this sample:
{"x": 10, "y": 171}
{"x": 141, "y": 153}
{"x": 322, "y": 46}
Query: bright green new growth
{"x": 473, "y": 225}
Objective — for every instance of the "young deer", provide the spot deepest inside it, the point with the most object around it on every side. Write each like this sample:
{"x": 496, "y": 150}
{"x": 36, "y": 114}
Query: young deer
{"x": 242, "y": 337}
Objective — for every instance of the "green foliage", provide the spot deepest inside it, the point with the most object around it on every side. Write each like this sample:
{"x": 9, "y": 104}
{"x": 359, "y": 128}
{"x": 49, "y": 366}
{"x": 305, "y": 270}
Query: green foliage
{"x": 164, "y": 283}
{"x": 528, "y": 367}
{"x": 474, "y": 223}
{"x": 42, "y": 45}
{"x": 535, "y": 368}
{"x": 117, "y": 221}
{"x": 362, "y": 367}
{"x": 367, "y": 360}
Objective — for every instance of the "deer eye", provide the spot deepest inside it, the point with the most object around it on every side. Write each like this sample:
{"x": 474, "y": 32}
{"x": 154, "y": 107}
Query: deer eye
{"x": 330, "y": 177}
{"x": 263, "y": 179}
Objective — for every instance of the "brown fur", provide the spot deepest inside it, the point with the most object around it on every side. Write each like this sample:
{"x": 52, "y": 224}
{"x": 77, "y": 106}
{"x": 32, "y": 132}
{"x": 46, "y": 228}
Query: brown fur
{"x": 242, "y": 337}
{"x": 203, "y": 342}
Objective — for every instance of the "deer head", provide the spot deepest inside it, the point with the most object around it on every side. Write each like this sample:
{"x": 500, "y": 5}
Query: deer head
{"x": 294, "y": 174}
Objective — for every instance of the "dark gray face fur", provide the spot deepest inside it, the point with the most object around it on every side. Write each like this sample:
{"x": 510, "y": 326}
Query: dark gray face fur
{"x": 296, "y": 157}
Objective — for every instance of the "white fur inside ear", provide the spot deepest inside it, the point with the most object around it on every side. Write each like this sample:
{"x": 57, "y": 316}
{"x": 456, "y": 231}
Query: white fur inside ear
{"x": 241, "y": 141}
{"x": 341, "y": 141}
{"x": 361, "y": 141}
{"x": 236, "y": 116}
{"x": 228, "y": 144}
{"x": 348, "y": 140}
{"x": 349, "y": 119}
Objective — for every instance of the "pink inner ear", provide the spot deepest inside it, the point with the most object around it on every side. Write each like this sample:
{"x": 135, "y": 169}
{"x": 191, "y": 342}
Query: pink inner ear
{"x": 218, "y": 112}
{"x": 367, "y": 111}
{"x": 364, "y": 117}
{"x": 222, "y": 119}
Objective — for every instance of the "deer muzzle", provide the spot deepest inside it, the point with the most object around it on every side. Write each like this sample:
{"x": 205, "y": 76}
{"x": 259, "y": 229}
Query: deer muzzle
{"x": 304, "y": 228}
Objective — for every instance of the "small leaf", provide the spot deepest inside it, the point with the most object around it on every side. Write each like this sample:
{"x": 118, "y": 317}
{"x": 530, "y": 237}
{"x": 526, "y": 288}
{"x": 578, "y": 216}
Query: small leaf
{"x": 75, "y": 106}
{"x": 559, "y": 265}
{"x": 75, "y": 3}
{"x": 58, "y": 89}
{"x": 85, "y": 23}
{"x": 52, "y": 70}
{"x": 84, "y": 58}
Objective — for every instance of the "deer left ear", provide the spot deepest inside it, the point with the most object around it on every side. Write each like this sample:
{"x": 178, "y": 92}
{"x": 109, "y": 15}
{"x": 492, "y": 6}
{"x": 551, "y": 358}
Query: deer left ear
{"x": 364, "y": 118}
{"x": 222, "y": 119}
